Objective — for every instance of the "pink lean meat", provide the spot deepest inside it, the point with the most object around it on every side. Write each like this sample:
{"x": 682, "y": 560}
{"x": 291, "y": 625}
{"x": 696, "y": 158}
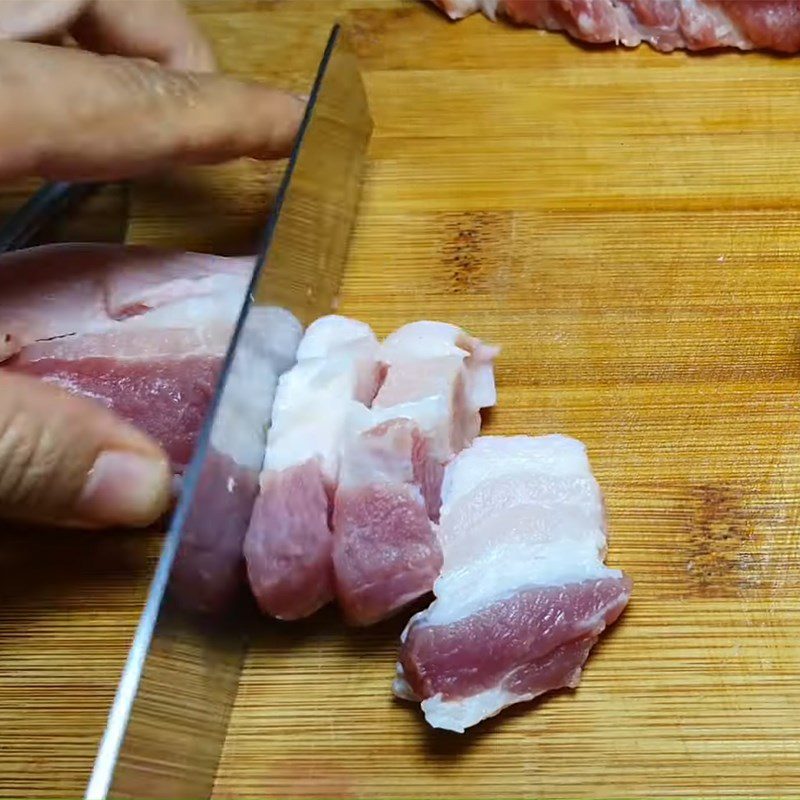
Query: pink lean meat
{"x": 385, "y": 549}
{"x": 288, "y": 543}
{"x": 665, "y": 24}
{"x": 524, "y": 593}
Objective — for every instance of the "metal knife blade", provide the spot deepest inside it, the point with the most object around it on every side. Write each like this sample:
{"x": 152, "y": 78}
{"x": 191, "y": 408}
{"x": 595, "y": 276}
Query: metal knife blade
{"x": 48, "y": 216}
{"x": 166, "y": 728}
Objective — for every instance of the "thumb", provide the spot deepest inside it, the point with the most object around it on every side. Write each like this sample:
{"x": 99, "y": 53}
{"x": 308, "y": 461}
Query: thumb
{"x": 67, "y": 460}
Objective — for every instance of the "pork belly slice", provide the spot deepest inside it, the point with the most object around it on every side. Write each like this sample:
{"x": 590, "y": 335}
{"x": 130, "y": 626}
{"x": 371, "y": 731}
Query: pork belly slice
{"x": 209, "y": 571}
{"x": 441, "y": 377}
{"x": 288, "y": 543}
{"x": 385, "y": 550}
{"x": 666, "y": 25}
{"x": 141, "y": 331}
{"x": 523, "y": 594}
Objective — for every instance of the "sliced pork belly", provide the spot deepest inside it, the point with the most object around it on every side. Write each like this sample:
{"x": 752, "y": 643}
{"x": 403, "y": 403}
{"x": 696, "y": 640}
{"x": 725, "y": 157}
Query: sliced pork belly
{"x": 209, "y": 571}
{"x": 141, "y": 331}
{"x": 664, "y": 24}
{"x": 288, "y": 543}
{"x": 385, "y": 549}
{"x": 524, "y": 593}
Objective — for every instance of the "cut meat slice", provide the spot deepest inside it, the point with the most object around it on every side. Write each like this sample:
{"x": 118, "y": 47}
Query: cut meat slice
{"x": 664, "y": 24}
{"x": 441, "y": 377}
{"x": 288, "y": 543}
{"x": 385, "y": 549}
{"x": 523, "y": 593}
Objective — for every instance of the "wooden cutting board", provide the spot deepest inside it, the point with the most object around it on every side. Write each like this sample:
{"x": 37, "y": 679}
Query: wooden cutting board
{"x": 627, "y": 226}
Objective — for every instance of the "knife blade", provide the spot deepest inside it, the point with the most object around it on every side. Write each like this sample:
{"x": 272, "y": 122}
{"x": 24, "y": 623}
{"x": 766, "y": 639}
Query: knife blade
{"x": 49, "y": 216}
{"x": 166, "y": 728}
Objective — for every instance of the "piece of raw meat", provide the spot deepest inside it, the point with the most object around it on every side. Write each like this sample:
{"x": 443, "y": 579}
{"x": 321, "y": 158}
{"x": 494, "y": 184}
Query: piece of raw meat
{"x": 145, "y": 333}
{"x": 385, "y": 550}
{"x": 666, "y": 25}
{"x": 141, "y": 331}
{"x": 524, "y": 593}
{"x": 288, "y": 543}
{"x": 209, "y": 569}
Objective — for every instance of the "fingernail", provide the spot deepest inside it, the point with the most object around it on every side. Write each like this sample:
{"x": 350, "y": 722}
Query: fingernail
{"x": 303, "y": 98}
{"x": 125, "y": 488}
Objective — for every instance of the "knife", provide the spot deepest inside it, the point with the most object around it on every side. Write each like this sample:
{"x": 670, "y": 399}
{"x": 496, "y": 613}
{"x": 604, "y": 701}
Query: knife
{"x": 168, "y": 721}
{"x": 46, "y": 216}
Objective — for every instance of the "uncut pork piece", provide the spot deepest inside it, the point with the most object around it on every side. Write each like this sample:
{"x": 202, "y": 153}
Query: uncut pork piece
{"x": 288, "y": 543}
{"x": 145, "y": 333}
{"x": 141, "y": 331}
{"x": 666, "y": 25}
{"x": 385, "y": 549}
{"x": 524, "y": 593}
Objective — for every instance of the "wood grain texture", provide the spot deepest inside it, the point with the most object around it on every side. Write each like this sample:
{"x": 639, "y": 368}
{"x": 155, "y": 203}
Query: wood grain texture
{"x": 625, "y": 225}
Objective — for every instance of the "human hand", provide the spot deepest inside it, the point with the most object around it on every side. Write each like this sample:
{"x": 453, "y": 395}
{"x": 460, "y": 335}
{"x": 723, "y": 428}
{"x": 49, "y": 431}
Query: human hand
{"x": 136, "y": 94}
{"x": 102, "y": 90}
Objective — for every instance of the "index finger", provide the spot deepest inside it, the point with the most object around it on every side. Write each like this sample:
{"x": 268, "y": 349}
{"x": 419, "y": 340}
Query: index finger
{"x": 66, "y": 114}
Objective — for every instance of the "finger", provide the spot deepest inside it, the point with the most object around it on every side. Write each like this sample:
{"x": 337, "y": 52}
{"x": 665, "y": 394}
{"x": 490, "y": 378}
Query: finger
{"x": 157, "y": 29}
{"x": 71, "y": 115}
{"x": 69, "y": 460}
{"x": 40, "y": 20}
{"x": 160, "y": 30}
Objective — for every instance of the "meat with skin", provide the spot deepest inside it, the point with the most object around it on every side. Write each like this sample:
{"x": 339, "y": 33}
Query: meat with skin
{"x": 385, "y": 549}
{"x": 666, "y": 25}
{"x": 288, "y": 543}
{"x": 523, "y": 594}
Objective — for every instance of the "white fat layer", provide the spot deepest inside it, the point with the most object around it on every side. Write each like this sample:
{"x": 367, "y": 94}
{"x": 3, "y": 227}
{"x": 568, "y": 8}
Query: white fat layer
{"x": 328, "y": 335}
{"x": 457, "y": 9}
{"x": 432, "y": 415}
{"x": 315, "y": 399}
{"x": 371, "y": 457}
{"x": 267, "y": 346}
{"x": 423, "y": 340}
{"x": 520, "y": 512}
{"x": 492, "y": 456}
{"x": 223, "y": 301}
{"x": 458, "y": 715}
{"x": 426, "y": 363}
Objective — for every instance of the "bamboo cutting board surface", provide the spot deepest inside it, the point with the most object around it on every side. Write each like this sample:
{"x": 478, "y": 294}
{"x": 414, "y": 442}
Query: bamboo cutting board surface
{"x": 626, "y": 226}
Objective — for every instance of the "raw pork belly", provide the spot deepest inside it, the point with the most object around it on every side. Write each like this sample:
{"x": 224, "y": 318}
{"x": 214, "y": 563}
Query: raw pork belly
{"x": 145, "y": 333}
{"x": 524, "y": 593}
{"x": 208, "y": 573}
{"x": 288, "y": 543}
{"x": 385, "y": 550}
{"x": 141, "y": 331}
{"x": 665, "y": 24}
